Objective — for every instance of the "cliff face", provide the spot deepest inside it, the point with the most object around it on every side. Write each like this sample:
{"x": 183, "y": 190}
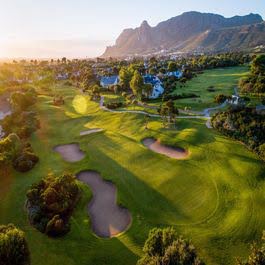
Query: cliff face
{"x": 191, "y": 29}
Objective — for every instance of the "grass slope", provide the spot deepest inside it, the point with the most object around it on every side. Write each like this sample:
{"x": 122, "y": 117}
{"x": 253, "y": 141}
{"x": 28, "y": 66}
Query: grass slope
{"x": 215, "y": 197}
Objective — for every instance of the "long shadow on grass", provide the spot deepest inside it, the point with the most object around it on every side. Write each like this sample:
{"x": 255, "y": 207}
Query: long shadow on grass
{"x": 148, "y": 207}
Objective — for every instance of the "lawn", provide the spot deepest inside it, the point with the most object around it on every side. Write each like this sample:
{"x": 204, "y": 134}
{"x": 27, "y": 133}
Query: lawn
{"x": 223, "y": 81}
{"x": 215, "y": 197}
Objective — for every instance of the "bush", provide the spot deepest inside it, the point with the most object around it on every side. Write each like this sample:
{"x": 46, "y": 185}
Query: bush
{"x": 243, "y": 124}
{"x": 262, "y": 151}
{"x": 21, "y": 123}
{"x": 220, "y": 98}
{"x": 165, "y": 247}
{"x": 13, "y": 246}
{"x": 113, "y": 105}
{"x": 25, "y": 161}
{"x": 51, "y": 203}
{"x": 21, "y": 101}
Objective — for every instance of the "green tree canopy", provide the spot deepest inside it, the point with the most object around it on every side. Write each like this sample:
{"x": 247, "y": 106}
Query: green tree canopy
{"x": 165, "y": 247}
{"x": 13, "y": 246}
{"x": 137, "y": 84}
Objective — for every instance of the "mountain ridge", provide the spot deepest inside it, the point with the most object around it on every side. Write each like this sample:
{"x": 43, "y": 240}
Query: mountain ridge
{"x": 176, "y": 31}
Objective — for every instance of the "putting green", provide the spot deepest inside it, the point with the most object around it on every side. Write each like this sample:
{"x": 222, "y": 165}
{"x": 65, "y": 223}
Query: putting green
{"x": 214, "y": 197}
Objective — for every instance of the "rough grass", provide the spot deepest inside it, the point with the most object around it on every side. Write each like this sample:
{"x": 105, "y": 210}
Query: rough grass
{"x": 215, "y": 197}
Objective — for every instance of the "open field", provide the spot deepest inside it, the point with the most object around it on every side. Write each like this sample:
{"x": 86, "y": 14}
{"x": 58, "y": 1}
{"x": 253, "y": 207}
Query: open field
{"x": 214, "y": 197}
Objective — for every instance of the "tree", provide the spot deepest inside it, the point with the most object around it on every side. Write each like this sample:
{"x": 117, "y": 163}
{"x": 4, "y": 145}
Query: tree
{"x": 146, "y": 121}
{"x": 165, "y": 247}
{"x": 220, "y": 98}
{"x": 125, "y": 76}
{"x": 137, "y": 85}
{"x": 257, "y": 255}
{"x": 13, "y": 246}
{"x": 262, "y": 151}
{"x": 258, "y": 65}
{"x": 147, "y": 89}
{"x": 172, "y": 67}
{"x": 51, "y": 202}
{"x": 168, "y": 112}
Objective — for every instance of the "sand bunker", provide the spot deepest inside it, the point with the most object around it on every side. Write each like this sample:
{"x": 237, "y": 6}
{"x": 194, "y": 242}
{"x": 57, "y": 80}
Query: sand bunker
{"x": 108, "y": 219}
{"x": 70, "y": 152}
{"x": 170, "y": 151}
{"x": 87, "y": 132}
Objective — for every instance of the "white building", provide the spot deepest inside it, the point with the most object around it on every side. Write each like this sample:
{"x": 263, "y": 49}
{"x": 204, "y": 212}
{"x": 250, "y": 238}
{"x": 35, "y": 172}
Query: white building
{"x": 158, "y": 89}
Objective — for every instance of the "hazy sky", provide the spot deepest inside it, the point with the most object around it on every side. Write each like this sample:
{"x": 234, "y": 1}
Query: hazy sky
{"x": 82, "y": 28}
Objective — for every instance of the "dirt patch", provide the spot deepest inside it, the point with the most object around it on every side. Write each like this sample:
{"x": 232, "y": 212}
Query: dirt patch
{"x": 170, "y": 151}
{"x": 70, "y": 152}
{"x": 87, "y": 132}
{"x": 108, "y": 219}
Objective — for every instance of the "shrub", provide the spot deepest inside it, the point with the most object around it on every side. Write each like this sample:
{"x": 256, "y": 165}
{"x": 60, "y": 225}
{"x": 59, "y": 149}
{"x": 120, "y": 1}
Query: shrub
{"x": 243, "y": 124}
{"x": 165, "y": 247}
{"x": 262, "y": 151}
{"x": 113, "y": 105}
{"x": 13, "y": 246}
{"x": 25, "y": 161}
{"x": 51, "y": 202}
{"x": 220, "y": 98}
{"x": 21, "y": 123}
{"x": 257, "y": 254}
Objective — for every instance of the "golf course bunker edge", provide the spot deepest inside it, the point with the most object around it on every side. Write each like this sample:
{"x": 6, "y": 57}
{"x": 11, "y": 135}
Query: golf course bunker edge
{"x": 108, "y": 219}
{"x": 169, "y": 151}
{"x": 70, "y": 152}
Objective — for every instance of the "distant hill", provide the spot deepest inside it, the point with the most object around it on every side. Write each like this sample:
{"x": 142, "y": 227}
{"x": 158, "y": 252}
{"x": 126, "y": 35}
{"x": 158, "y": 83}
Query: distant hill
{"x": 191, "y": 31}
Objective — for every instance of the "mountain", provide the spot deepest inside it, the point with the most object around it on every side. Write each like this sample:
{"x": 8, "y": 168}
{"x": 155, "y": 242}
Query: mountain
{"x": 191, "y": 31}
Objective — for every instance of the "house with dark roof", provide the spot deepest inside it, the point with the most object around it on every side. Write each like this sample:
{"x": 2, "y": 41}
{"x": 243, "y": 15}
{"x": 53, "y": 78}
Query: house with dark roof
{"x": 158, "y": 89}
{"x": 107, "y": 81}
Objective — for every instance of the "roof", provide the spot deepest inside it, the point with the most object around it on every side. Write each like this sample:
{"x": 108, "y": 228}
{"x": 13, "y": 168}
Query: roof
{"x": 151, "y": 79}
{"x": 109, "y": 80}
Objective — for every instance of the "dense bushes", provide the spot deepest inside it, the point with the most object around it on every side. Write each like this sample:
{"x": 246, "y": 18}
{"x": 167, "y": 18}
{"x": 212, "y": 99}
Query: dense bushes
{"x": 23, "y": 124}
{"x": 113, "y": 105}
{"x": 221, "y": 98}
{"x": 243, "y": 124}
{"x": 19, "y": 154}
{"x": 23, "y": 121}
{"x": 21, "y": 101}
{"x": 51, "y": 203}
{"x": 26, "y": 159}
{"x": 13, "y": 246}
{"x": 165, "y": 247}
{"x": 255, "y": 82}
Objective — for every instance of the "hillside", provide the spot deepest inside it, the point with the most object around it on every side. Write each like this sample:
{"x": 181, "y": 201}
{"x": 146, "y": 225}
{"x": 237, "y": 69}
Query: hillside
{"x": 191, "y": 31}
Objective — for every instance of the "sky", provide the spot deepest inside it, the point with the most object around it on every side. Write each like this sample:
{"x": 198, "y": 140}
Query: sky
{"x": 83, "y": 28}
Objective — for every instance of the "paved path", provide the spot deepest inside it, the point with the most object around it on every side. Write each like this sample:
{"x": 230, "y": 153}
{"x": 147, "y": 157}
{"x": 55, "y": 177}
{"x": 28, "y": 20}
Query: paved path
{"x": 205, "y": 114}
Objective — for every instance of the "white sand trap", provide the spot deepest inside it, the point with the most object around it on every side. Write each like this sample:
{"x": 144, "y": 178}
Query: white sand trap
{"x": 87, "y": 132}
{"x": 108, "y": 219}
{"x": 170, "y": 151}
{"x": 70, "y": 152}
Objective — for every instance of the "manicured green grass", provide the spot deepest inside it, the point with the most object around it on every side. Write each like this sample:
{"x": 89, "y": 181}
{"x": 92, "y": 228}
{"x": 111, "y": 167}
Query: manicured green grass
{"x": 223, "y": 80}
{"x": 215, "y": 197}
